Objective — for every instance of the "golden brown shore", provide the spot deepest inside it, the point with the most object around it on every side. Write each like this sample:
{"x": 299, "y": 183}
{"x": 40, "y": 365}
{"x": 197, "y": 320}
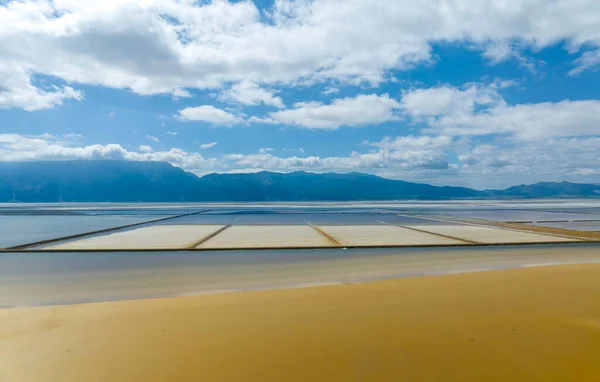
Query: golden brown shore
{"x": 533, "y": 324}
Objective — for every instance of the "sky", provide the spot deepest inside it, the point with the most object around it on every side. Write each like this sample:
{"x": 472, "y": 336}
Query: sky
{"x": 478, "y": 93}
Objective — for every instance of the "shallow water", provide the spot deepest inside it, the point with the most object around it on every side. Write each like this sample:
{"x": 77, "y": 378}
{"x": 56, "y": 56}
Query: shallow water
{"x": 62, "y": 278}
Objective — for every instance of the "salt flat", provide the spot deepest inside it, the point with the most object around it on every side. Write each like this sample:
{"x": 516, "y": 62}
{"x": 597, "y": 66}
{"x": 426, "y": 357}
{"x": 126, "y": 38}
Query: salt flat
{"x": 152, "y": 237}
{"x": 490, "y": 235}
{"x": 273, "y": 236}
{"x": 373, "y": 235}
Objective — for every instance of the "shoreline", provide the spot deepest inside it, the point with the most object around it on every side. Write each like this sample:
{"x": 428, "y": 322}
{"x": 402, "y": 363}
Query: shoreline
{"x": 302, "y": 285}
{"x": 64, "y": 279}
{"x": 529, "y": 324}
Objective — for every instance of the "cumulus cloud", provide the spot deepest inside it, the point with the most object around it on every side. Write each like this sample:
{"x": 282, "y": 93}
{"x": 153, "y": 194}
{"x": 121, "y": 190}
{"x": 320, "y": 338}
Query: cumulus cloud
{"x": 208, "y": 113}
{"x": 481, "y": 110}
{"x": 401, "y": 153}
{"x": 173, "y": 133}
{"x": 152, "y": 138}
{"x": 165, "y": 46}
{"x": 555, "y": 159}
{"x": 249, "y": 93}
{"x": 208, "y": 145}
{"x": 426, "y": 159}
{"x": 486, "y": 156}
{"x": 356, "y": 111}
{"x": 446, "y": 100}
{"x": 527, "y": 121}
{"x": 180, "y": 93}
{"x": 498, "y": 51}
{"x": 368, "y": 162}
{"x": 413, "y": 142}
{"x": 15, "y": 147}
{"x": 17, "y": 90}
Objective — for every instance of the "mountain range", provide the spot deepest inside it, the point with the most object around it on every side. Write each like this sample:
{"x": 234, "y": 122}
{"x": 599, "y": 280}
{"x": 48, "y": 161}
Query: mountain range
{"x": 126, "y": 181}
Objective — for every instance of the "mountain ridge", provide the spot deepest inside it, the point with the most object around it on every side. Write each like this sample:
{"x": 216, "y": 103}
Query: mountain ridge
{"x": 128, "y": 181}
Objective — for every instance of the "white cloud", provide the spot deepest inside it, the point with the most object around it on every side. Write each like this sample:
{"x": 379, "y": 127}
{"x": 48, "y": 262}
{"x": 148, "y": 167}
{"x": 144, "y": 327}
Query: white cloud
{"x": 588, "y": 60}
{"x": 556, "y": 159}
{"x": 249, "y": 93}
{"x": 445, "y": 100}
{"x": 480, "y": 110}
{"x": 330, "y": 90}
{"x": 498, "y": 51}
{"x": 399, "y": 154}
{"x": 208, "y": 145}
{"x": 112, "y": 114}
{"x": 164, "y": 46}
{"x": 486, "y": 156}
{"x": 421, "y": 159}
{"x": 152, "y": 138}
{"x": 208, "y": 113}
{"x": 17, "y": 90}
{"x": 264, "y": 120}
{"x": 584, "y": 171}
{"x": 527, "y": 121}
{"x": 180, "y": 93}
{"x": 359, "y": 111}
{"x": 368, "y": 162}
{"x": 264, "y": 150}
{"x": 15, "y": 147}
{"x": 413, "y": 142}
{"x": 145, "y": 148}
{"x": 73, "y": 136}
{"x": 173, "y": 133}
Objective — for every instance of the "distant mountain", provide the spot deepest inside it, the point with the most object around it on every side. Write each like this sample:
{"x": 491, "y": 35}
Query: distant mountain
{"x": 95, "y": 181}
{"x": 299, "y": 185}
{"x": 125, "y": 181}
{"x": 549, "y": 189}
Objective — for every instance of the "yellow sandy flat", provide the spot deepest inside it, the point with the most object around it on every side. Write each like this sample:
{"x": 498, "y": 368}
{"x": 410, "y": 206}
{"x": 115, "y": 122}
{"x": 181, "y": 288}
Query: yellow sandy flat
{"x": 536, "y": 324}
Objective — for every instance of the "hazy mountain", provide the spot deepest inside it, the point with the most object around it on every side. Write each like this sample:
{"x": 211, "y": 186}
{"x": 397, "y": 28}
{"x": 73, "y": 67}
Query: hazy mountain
{"x": 550, "y": 189}
{"x": 95, "y": 181}
{"x": 308, "y": 186}
{"x": 124, "y": 181}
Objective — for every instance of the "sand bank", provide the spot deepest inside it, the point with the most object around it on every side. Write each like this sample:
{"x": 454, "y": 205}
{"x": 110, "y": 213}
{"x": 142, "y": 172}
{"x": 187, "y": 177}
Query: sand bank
{"x": 536, "y": 324}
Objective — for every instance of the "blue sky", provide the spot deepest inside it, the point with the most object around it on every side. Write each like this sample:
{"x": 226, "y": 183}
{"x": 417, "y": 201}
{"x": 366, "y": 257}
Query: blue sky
{"x": 486, "y": 95}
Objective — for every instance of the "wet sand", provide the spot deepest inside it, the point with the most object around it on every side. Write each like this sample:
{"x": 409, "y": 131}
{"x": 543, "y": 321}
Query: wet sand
{"x": 529, "y": 324}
